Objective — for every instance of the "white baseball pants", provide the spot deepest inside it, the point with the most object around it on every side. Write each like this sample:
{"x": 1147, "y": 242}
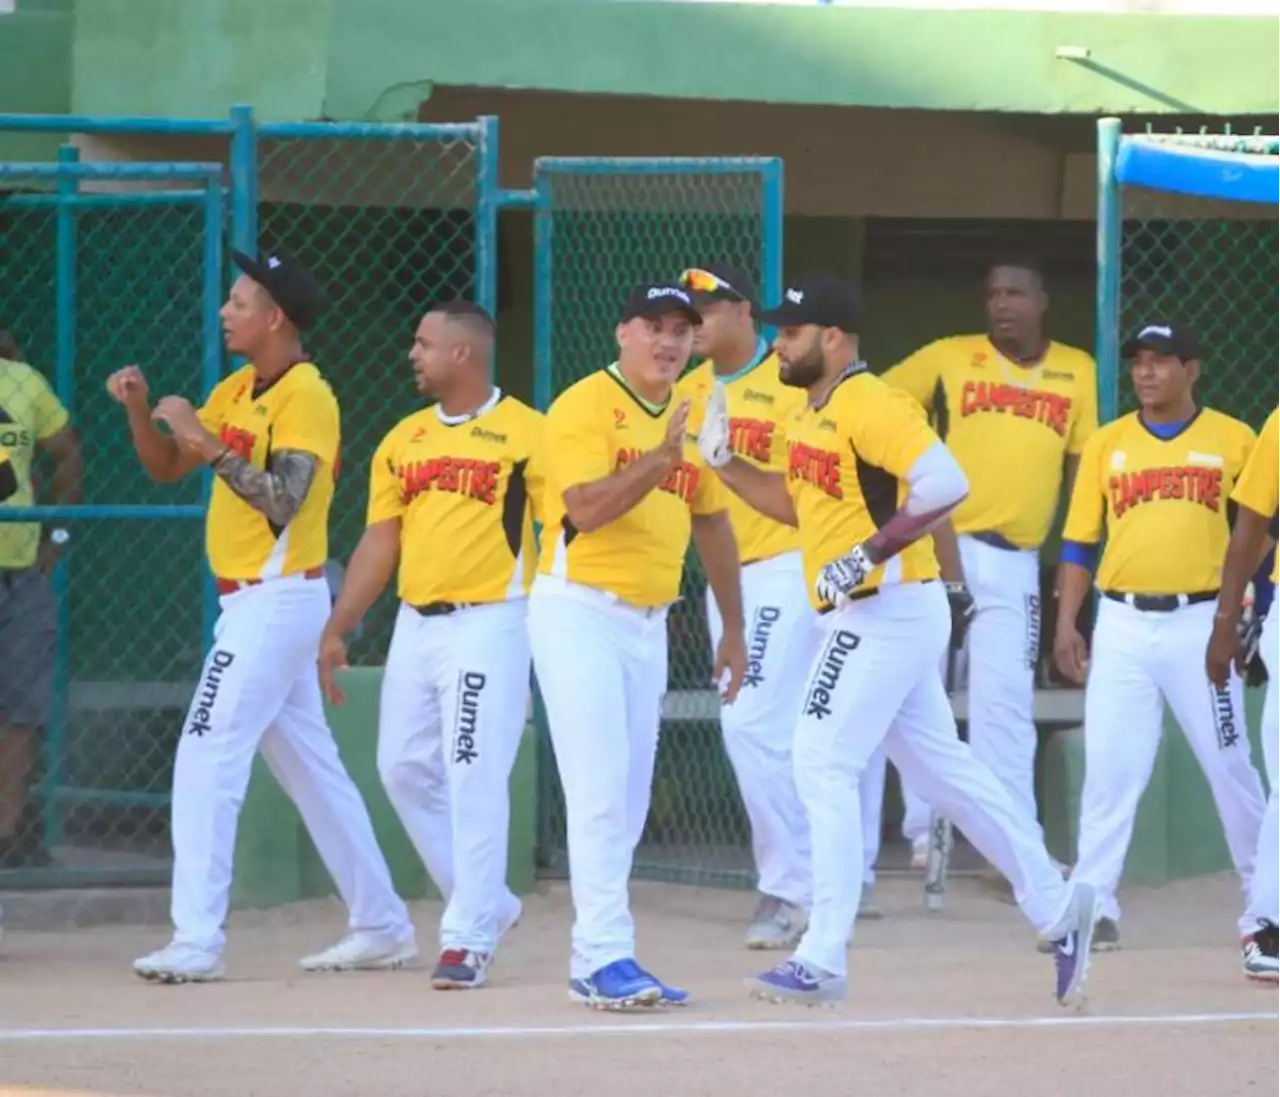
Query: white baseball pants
{"x": 1002, "y": 649}
{"x": 602, "y": 669}
{"x": 875, "y": 681}
{"x": 259, "y": 691}
{"x": 782, "y": 639}
{"x": 1264, "y": 892}
{"x": 454, "y": 700}
{"x": 1139, "y": 661}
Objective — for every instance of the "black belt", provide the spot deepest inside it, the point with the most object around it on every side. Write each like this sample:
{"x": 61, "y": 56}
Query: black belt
{"x": 443, "y": 609}
{"x": 995, "y": 540}
{"x": 1160, "y": 603}
{"x": 859, "y": 595}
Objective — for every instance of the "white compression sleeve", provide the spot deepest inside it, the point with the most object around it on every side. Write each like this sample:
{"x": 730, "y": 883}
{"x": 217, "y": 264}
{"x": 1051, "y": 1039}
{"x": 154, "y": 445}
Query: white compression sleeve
{"x": 936, "y": 482}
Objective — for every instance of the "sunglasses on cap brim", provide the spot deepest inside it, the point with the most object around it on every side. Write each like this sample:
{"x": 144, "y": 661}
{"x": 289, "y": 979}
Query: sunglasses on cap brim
{"x": 696, "y": 280}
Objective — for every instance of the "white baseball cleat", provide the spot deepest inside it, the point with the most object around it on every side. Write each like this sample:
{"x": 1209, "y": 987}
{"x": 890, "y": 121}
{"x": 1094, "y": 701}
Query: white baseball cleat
{"x": 177, "y": 963}
{"x": 776, "y": 924}
{"x": 920, "y": 855}
{"x": 364, "y": 951}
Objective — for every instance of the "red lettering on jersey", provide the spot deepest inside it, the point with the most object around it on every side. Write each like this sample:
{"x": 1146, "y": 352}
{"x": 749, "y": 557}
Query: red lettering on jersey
{"x": 456, "y": 475}
{"x": 818, "y": 467}
{"x": 1048, "y": 408}
{"x": 238, "y": 440}
{"x": 752, "y": 438}
{"x": 681, "y": 480}
{"x": 1193, "y": 483}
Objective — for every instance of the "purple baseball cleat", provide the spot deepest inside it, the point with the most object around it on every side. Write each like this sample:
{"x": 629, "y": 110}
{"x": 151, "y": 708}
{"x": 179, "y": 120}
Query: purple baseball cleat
{"x": 1072, "y": 940}
{"x": 792, "y": 981}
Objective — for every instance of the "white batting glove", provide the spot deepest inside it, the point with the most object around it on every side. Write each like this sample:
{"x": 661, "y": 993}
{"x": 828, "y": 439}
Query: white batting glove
{"x": 843, "y": 576}
{"x": 713, "y": 438}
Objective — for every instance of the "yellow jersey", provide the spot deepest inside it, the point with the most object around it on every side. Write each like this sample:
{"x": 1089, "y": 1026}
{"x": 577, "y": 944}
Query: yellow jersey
{"x": 1008, "y": 426}
{"x": 1160, "y": 502}
{"x": 30, "y": 413}
{"x": 1258, "y": 485}
{"x": 597, "y": 427}
{"x": 759, "y": 407}
{"x": 296, "y": 411}
{"x": 463, "y": 491}
{"x": 847, "y": 461}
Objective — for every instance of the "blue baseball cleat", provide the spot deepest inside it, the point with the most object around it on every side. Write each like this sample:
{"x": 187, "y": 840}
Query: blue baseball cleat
{"x": 1072, "y": 941}
{"x": 623, "y": 984}
{"x": 792, "y": 981}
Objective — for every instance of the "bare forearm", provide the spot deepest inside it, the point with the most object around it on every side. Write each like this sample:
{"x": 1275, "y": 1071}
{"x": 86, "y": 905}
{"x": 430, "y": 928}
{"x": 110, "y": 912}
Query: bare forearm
{"x": 158, "y": 452}
{"x": 1073, "y": 587}
{"x": 66, "y": 484}
{"x": 370, "y": 570}
{"x": 718, "y": 550}
{"x": 276, "y": 491}
{"x": 1244, "y": 554}
{"x": 760, "y": 489}
{"x": 602, "y": 501}
{"x": 947, "y": 549}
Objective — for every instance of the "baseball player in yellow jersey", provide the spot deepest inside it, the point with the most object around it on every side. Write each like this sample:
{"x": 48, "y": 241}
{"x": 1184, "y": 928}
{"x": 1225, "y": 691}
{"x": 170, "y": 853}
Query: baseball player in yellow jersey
{"x": 1015, "y": 408}
{"x": 1155, "y": 484}
{"x": 452, "y": 496}
{"x": 866, "y": 481}
{"x": 625, "y": 492}
{"x": 270, "y": 432}
{"x": 1257, "y": 497}
{"x": 782, "y": 633}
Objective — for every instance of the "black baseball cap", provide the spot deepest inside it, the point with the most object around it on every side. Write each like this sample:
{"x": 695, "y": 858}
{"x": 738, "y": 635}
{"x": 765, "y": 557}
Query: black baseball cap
{"x": 821, "y": 299}
{"x": 292, "y": 286}
{"x": 1180, "y": 340}
{"x": 658, "y": 299}
{"x": 718, "y": 282}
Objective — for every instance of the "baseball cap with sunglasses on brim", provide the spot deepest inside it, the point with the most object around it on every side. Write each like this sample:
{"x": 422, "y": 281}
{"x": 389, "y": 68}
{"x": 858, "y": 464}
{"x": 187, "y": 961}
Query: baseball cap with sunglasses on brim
{"x": 1177, "y": 340}
{"x": 718, "y": 282}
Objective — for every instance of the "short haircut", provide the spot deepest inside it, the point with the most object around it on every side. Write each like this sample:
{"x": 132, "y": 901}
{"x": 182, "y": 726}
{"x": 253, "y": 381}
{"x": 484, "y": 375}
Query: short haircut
{"x": 1021, "y": 262}
{"x": 467, "y": 311}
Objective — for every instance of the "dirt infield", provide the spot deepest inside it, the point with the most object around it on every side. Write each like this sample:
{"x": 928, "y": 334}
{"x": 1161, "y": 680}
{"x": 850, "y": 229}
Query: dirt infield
{"x": 958, "y": 1004}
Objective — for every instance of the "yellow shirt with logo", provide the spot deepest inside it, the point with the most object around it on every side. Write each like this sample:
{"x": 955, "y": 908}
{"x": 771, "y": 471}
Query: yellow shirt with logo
{"x": 465, "y": 494}
{"x": 30, "y": 413}
{"x": 1160, "y": 503}
{"x": 1258, "y": 486}
{"x": 759, "y": 407}
{"x": 1008, "y": 426}
{"x": 847, "y": 462}
{"x": 297, "y": 411}
{"x": 597, "y": 427}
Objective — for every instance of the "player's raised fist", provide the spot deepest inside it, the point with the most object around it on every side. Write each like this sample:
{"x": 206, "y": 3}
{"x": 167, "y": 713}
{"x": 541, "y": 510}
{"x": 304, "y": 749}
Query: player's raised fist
{"x": 128, "y": 386}
{"x": 677, "y": 428}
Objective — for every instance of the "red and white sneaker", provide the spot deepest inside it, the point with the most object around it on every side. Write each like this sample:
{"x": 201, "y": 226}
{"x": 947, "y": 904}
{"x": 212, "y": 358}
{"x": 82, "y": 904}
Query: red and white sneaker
{"x": 461, "y": 969}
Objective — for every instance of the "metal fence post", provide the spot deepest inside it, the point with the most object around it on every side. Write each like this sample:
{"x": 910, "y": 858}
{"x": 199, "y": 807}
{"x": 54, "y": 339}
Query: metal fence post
{"x": 487, "y": 198}
{"x": 771, "y": 252}
{"x": 211, "y": 357}
{"x": 244, "y": 179}
{"x": 1107, "y": 336}
{"x": 542, "y": 243}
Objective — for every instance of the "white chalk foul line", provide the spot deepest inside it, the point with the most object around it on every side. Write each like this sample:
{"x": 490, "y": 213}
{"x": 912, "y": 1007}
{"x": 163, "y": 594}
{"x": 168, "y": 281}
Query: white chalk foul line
{"x": 633, "y": 1028}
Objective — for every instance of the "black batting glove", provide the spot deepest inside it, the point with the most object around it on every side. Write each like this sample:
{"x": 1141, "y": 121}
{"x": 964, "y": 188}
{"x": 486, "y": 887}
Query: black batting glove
{"x": 962, "y": 611}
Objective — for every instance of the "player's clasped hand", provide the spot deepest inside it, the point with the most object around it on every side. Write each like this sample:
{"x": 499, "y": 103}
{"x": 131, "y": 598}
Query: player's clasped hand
{"x": 332, "y": 657}
{"x": 178, "y": 414}
{"x": 1071, "y": 653}
{"x": 713, "y": 438}
{"x": 672, "y": 447}
{"x": 128, "y": 387}
{"x": 843, "y": 576}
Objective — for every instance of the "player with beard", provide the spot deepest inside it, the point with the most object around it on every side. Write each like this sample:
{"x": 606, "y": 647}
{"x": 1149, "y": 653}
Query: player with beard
{"x": 866, "y": 482}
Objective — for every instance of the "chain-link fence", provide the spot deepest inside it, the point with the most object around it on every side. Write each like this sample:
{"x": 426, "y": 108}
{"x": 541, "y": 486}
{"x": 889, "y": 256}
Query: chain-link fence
{"x": 1197, "y": 245}
{"x": 389, "y": 217}
{"x": 97, "y": 274}
{"x": 390, "y": 224}
{"x": 605, "y": 226}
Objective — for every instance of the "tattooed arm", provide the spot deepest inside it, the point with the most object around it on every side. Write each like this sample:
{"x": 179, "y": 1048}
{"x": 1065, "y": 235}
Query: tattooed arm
{"x": 278, "y": 490}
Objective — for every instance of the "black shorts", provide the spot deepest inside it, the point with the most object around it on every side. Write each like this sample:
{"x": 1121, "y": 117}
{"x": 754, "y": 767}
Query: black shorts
{"x": 28, "y": 640}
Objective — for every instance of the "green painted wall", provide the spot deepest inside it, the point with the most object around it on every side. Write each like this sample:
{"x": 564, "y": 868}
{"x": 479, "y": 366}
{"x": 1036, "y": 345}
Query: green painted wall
{"x": 354, "y": 59}
{"x": 35, "y": 72}
{"x": 195, "y": 58}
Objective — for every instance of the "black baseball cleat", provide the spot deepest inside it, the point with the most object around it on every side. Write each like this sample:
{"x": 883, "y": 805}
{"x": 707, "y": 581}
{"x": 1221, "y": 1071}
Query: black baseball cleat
{"x": 1259, "y": 950}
